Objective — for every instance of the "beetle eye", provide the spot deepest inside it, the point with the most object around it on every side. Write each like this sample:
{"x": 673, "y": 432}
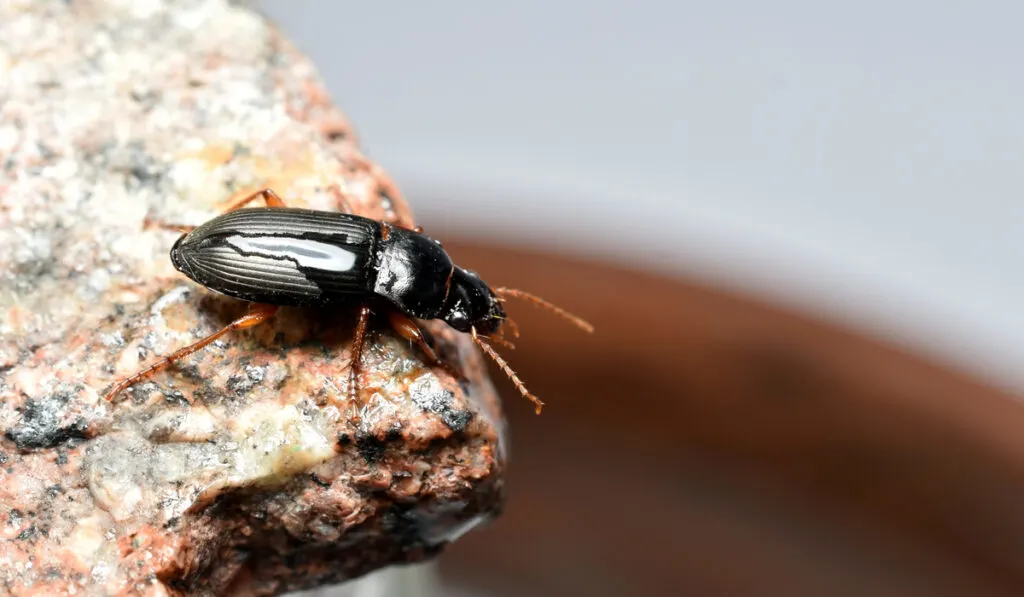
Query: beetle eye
{"x": 459, "y": 320}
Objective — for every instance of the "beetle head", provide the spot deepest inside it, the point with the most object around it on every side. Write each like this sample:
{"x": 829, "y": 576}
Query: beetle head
{"x": 472, "y": 304}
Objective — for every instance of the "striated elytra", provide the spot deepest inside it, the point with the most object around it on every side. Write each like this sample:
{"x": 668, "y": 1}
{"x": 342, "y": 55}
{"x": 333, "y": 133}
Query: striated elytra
{"x": 302, "y": 258}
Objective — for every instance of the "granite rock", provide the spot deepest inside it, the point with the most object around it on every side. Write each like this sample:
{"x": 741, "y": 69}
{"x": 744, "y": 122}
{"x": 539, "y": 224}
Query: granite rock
{"x": 239, "y": 470}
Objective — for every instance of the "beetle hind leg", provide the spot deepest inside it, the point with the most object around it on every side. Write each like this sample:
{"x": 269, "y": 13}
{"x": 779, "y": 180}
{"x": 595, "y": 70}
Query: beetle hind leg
{"x": 269, "y": 197}
{"x": 257, "y": 314}
{"x": 150, "y": 223}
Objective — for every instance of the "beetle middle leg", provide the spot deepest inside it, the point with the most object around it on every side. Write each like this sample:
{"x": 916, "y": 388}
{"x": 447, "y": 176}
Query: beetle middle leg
{"x": 357, "y": 354}
{"x": 257, "y": 314}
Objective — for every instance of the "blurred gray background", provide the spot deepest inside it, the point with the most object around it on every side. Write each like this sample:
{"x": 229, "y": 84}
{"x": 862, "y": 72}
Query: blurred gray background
{"x": 859, "y": 160}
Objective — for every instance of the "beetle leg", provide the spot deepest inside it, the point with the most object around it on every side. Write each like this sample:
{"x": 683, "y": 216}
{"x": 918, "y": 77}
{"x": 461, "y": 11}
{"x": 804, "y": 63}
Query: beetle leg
{"x": 149, "y": 223}
{"x": 269, "y": 196}
{"x": 386, "y": 230}
{"x": 357, "y": 354}
{"x": 257, "y": 314}
{"x": 408, "y": 329}
{"x": 343, "y": 203}
{"x": 385, "y": 184}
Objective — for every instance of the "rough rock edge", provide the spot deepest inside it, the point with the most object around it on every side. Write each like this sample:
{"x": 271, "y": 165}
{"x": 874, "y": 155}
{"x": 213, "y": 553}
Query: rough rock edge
{"x": 154, "y": 496}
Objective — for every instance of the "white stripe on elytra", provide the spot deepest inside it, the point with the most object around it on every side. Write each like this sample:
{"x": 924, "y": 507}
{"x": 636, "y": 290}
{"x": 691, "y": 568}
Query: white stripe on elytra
{"x": 304, "y": 252}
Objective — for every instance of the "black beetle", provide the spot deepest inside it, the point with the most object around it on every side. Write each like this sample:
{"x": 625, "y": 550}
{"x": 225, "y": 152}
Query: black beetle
{"x": 276, "y": 255}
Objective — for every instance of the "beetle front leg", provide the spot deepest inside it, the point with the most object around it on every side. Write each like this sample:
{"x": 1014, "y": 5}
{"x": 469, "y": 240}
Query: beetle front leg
{"x": 257, "y": 314}
{"x": 408, "y": 329}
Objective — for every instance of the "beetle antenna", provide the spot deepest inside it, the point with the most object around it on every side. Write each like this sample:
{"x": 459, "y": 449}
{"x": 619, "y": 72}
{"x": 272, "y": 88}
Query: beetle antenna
{"x": 543, "y": 304}
{"x": 512, "y": 324}
{"x": 501, "y": 340}
{"x": 508, "y": 370}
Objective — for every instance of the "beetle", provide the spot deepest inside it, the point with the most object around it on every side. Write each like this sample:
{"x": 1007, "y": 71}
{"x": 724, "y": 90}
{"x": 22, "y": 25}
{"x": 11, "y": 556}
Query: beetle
{"x": 284, "y": 256}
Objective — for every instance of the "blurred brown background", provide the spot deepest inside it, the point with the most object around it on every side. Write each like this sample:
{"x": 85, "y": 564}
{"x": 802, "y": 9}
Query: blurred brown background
{"x": 706, "y": 444}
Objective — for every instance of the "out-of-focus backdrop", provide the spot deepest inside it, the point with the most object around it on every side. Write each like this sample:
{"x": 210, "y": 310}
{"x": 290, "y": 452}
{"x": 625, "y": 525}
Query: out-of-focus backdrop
{"x": 856, "y": 163}
{"x": 861, "y": 159}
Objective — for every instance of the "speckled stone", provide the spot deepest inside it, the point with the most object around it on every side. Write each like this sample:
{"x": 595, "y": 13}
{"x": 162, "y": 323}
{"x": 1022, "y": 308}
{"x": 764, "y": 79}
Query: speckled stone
{"x": 237, "y": 471}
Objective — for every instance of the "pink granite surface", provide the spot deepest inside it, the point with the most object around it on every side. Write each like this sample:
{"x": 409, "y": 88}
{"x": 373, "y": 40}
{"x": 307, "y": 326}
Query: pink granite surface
{"x": 237, "y": 471}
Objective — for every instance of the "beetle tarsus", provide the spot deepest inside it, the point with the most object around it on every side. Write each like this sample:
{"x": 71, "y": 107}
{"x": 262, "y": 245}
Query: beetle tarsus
{"x": 149, "y": 223}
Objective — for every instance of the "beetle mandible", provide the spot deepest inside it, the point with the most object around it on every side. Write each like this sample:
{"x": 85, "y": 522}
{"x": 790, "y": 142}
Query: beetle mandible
{"x": 283, "y": 256}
